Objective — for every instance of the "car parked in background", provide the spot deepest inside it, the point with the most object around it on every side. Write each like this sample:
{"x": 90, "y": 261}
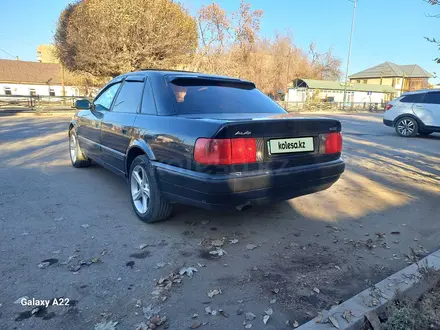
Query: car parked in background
{"x": 204, "y": 140}
{"x": 414, "y": 113}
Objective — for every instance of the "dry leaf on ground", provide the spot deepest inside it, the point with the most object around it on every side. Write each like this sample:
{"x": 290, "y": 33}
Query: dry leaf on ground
{"x": 266, "y": 319}
{"x": 189, "y": 271}
{"x": 214, "y": 292}
{"x": 334, "y": 322}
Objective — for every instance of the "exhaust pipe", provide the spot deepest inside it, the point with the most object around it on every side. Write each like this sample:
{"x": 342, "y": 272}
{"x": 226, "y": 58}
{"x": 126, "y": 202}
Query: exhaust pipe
{"x": 244, "y": 206}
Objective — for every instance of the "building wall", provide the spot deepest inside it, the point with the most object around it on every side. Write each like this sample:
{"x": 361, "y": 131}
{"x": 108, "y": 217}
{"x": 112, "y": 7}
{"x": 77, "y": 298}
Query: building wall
{"x": 42, "y": 90}
{"x": 413, "y": 84}
{"x": 395, "y": 82}
{"x": 409, "y": 84}
{"x": 46, "y": 54}
{"x": 301, "y": 94}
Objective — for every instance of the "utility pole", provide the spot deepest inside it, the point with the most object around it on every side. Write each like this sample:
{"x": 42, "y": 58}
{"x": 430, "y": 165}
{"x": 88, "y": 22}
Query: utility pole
{"x": 349, "y": 51}
{"x": 403, "y": 83}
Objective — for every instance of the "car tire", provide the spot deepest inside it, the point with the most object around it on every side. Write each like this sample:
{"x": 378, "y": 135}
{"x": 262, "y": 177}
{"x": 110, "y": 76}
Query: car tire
{"x": 77, "y": 157}
{"x": 425, "y": 133}
{"x": 145, "y": 195}
{"x": 407, "y": 127}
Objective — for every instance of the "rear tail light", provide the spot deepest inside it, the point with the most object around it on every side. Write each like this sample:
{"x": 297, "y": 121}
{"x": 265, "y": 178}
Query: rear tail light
{"x": 388, "y": 107}
{"x": 213, "y": 151}
{"x": 225, "y": 151}
{"x": 243, "y": 151}
{"x": 330, "y": 143}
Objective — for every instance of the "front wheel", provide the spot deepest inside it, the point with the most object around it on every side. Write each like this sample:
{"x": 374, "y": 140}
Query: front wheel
{"x": 145, "y": 194}
{"x": 77, "y": 157}
{"x": 407, "y": 127}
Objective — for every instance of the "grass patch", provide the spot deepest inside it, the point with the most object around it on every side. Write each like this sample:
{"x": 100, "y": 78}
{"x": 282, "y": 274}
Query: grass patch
{"x": 424, "y": 314}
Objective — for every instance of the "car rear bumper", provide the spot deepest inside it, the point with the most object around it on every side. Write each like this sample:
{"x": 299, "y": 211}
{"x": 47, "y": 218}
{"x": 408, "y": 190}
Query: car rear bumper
{"x": 217, "y": 191}
{"x": 388, "y": 122}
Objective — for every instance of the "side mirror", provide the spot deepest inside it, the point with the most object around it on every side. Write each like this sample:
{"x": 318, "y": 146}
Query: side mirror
{"x": 82, "y": 104}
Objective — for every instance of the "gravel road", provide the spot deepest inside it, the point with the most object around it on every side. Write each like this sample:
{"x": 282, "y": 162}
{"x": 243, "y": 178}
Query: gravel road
{"x": 295, "y": 257}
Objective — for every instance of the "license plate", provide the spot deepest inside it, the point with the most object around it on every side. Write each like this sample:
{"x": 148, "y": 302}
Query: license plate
{"x": 281, "y": 146}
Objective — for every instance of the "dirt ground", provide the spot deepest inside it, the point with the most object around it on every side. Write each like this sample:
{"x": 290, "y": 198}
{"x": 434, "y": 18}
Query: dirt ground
{"x": 295, "y": 257}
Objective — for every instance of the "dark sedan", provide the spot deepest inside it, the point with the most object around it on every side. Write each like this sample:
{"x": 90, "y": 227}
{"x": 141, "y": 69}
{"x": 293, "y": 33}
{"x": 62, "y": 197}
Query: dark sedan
{"x": 204, "y": 140}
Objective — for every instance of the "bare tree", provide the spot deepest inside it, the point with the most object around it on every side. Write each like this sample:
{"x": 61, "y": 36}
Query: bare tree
{"x": 109, "y": 37}
{"x": 323, "y": 66}
{"x": 228, "y": 43}
{"x": 214, "y": 38}
{"x": 214, "y": 27}
{"x": 431, "y": 39}
{"x": 246, "y": 29}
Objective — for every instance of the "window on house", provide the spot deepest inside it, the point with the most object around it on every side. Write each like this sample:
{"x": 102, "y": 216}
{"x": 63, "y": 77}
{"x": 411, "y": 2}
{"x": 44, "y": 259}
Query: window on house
{"x": 358, "y": 81}
{"x": 32, "y": 92}
{"x": 365, "y": 81}
{"x": 8, "y": 91}
{"x": 51, "y": 92}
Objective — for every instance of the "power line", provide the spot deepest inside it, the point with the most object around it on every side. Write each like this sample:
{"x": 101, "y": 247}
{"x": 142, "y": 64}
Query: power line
{"x": 4, "y": 51}
{"x": 39, "y": 69}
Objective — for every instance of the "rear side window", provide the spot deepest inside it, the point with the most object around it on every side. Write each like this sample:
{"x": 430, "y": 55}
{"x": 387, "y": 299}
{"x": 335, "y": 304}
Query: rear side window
{"x": 413, "y": 98}
{"x": 433, "y": 97}
{"x": 201, "y": 96}
{"x": 148, "y": 105}
{"x": 129, "y": 98}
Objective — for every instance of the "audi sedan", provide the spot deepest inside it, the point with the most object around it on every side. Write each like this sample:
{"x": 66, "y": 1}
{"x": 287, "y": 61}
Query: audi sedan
{"x": 204, "y": 140}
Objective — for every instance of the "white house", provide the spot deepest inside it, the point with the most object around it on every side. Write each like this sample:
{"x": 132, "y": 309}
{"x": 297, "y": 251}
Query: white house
{"x": 302, "y": 90}
{"x": 23, "y": 78}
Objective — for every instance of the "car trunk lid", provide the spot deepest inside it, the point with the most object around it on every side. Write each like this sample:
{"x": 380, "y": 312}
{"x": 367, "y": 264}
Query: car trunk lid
{"x": 285, "y": 140}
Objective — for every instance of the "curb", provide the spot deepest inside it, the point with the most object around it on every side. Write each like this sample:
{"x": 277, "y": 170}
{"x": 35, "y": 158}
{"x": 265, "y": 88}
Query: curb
{"x": 367, "y": 305}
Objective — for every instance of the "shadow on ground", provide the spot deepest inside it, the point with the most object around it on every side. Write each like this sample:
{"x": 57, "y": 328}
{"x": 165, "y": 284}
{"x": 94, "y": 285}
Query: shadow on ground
{"x": 326, "y": 241}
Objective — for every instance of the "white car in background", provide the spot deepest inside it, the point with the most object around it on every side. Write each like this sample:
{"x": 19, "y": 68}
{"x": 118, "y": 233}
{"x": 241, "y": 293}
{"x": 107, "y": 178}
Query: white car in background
{"x": 414, "y": 113}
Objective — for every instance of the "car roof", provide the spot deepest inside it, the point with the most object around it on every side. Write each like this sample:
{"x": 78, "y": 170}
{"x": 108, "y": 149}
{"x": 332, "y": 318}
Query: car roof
{"x": 181, "y": 72}
{"x": 166, "y": 72}
{"x": 420, "y": 91}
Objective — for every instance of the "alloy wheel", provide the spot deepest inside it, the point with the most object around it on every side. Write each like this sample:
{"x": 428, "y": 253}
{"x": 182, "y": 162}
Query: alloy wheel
{"x": 73, "y": 147}
{"x": 406, "y": 127}
{"x": 140, "y": 189}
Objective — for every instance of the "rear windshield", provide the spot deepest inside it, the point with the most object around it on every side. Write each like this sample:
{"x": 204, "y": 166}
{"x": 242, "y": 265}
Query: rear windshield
{"x": 197, "y": 96}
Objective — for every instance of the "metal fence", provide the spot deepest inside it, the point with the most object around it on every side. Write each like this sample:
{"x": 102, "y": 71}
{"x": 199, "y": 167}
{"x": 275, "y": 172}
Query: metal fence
{"x": 66, "y": 103}
{"x": 38, "y": 102}
{"x": 331, "y": 106}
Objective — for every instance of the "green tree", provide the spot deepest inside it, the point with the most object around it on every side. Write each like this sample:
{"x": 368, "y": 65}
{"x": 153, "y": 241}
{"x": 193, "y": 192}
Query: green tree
{"x": 110, "y": 37}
